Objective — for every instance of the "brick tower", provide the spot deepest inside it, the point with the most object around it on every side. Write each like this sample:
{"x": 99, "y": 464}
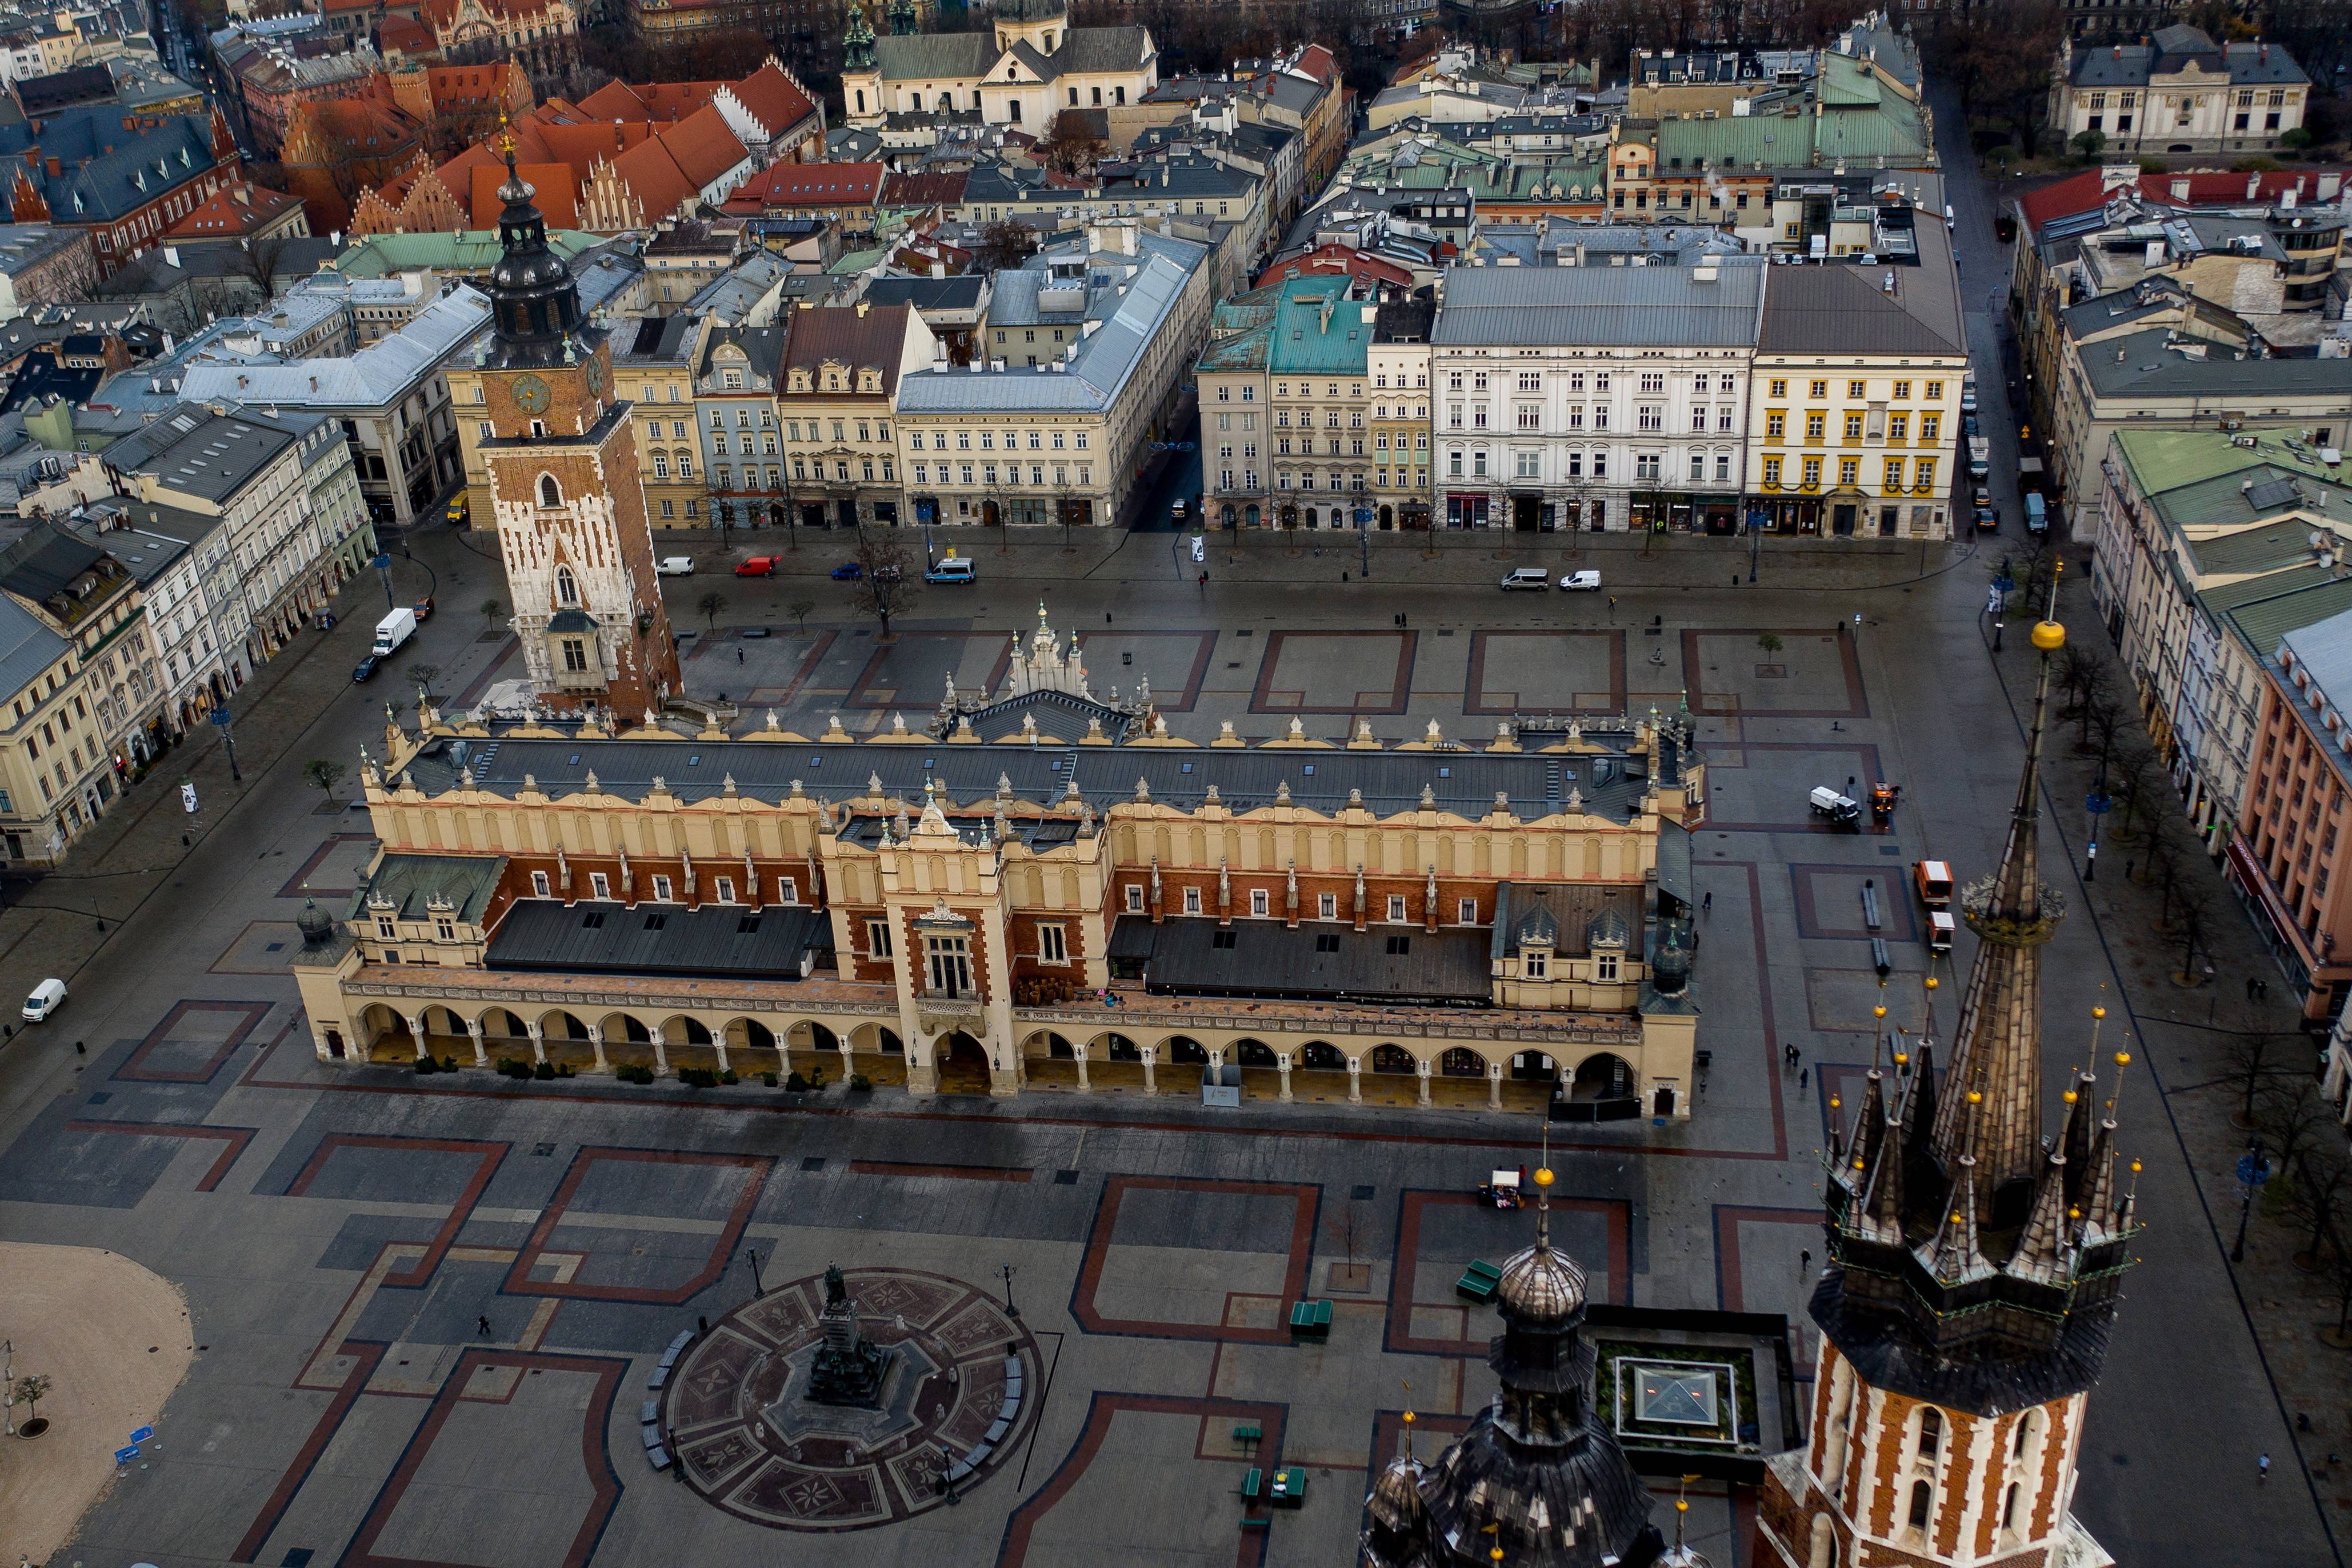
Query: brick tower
{"x": 563, "y": 482}
{"x": 1965, "y": 1311}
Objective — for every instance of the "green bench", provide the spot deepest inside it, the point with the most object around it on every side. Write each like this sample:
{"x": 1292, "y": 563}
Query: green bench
{"x": 1289, "y": 1488}
{"x": 1479, "y": 1282}
{"x": 1247, "y": 1435}
{"x": 1311, "y": 1320}
{"x": 1252, "y": 1485}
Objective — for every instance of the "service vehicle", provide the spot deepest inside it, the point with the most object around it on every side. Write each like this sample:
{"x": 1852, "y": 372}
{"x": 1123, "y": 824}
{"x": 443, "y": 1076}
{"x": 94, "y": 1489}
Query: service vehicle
{"x": 676, "y": 566}
{"x": 1933, "y": 882}
{"x": 392, "y": 630}
{"x": 1980, "y": 459}
{"x": 758, "y": 566}
{"x": 46, "y": 998}
{"x": 1840, "y": 809}
{"x": 1535, "y": 578}
{"x": 2037, "y": 513}
{"x": 1941, "y": 929}
{"x": 953, "y": 569}
{"x": 1581, "y": 582}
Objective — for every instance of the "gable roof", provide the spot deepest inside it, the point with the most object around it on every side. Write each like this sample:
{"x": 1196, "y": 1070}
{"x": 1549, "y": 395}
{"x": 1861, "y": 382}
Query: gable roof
{"x": 773, "y": 99}
{"x": 109, "y": 163}
{"x": 934, "y": 57}
{"x": 857, "y": 336}
{"x": 811, "y": 185}
{"x": 1845, "y": 310}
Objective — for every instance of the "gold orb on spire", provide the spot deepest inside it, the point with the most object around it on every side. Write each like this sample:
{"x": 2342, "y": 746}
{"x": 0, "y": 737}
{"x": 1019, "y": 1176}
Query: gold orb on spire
{"x": 1933, "y": 982}
{"x": 1879, "y": 1011}
{"x": 2049, "y": 636}
{"x": 2098, "y": 1014}
{"x": 1544, "y": 1177}
{"x": 2123, "y": 1058}
{"x": 1976, "y": 1097}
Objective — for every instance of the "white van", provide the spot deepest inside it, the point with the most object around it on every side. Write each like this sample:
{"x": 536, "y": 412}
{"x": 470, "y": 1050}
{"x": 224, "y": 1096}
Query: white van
{"x": 676, "y": 566}
{"x": 951, "y": 569}
{"x": 46, "y": 998}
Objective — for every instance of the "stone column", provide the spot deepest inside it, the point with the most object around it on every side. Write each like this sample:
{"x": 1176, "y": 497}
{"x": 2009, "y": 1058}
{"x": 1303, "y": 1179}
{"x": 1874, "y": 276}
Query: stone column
{"x": 719, "y": 1044}
{"x": 1217, "y": 1067}
{"x": 1494, "y": 1085}
{"x": 319, "y": 1044}
{"x": 783, "y": 1054}
{"x": 1282, "y": 1062}
{"x": 1078, "y": 1054}
{"x": 847, "y": 1065}
{"x": 1150, "y": 1080}
{"x": 1421, "y": 1078}
{"x": 416, "y": 1034}
{"x": 538, "y": 1042}
{"x": 661, "y": 1055}
{"x": 596, "y": 1044}
{"x": 1355, "y": 1080}
{"x": 922, "y": 1066}
{"x": 474, "y": 1028}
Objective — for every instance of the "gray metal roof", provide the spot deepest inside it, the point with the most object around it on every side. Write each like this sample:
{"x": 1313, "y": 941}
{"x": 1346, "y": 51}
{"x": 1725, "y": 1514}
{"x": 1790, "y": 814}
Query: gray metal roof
{"x": 197, "y": 452}
{"x": 26, "y": 646}
{"x": 611, "y": 938}
{"x": 419, "y": 886}
{"x": 1602, "y": 306}
{"x": 2147, "y": 368}
{"x": 1845, "y": 307}
{"x": 1465, "y": 782}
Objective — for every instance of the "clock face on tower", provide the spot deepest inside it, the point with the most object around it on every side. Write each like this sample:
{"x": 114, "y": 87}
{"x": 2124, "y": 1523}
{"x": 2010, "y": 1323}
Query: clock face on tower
{"x": 596, "y": 376}
{"x": 530, "y": 394}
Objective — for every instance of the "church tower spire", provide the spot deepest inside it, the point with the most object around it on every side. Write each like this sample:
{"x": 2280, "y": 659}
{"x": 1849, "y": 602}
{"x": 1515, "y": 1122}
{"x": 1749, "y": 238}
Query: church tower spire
{"x": 1973, "y": 1275}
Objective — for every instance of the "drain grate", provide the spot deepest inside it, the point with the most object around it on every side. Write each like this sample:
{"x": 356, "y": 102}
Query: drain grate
{"x": 1065, "y": 1178}
{"x": 542, "y": 1150}
{"x": 814, "y": 1163}
{"x": 1359, "y": 1192}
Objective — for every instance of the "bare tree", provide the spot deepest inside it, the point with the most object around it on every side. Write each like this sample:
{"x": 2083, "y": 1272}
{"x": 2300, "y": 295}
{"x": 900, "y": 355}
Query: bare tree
{"x": 2255, "y": 1064}
{"x": 1005, "y": 244}
{"x": 884, "y": 578}
{"x": 2319, "y": 1179}
{"x": 2293, "y": 1118}
{"x": 256, "y": 261}
{"x": 710, "y": 603}
{"x": 1070, "y": 146}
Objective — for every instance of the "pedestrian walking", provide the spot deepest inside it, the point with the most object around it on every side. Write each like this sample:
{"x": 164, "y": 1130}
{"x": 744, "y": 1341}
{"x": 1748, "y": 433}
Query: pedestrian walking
{"x": 1706, "y": 904}
{"x": 2127, "y": 869}
{"x": 738, "y": 656}
{"x": 484, "y": 1324}
{"x": 1804, "y": 1076}
{"x": 1613, "y": 607}
{"x": 2263, "y": 1467}
{"x": 2250, "y": 988}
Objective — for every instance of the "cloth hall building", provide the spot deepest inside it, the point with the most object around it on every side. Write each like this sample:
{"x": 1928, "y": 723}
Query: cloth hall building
{"x": 983, "y": 906}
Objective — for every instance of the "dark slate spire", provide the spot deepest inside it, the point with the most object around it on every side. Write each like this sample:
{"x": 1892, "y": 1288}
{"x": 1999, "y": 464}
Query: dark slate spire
{"x": 1997, "y": 1047}
{"x": 534, "y": 303}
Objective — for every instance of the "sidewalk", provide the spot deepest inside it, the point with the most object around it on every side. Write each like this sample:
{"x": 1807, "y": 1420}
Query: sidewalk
{"x": 2187, "y": 1035}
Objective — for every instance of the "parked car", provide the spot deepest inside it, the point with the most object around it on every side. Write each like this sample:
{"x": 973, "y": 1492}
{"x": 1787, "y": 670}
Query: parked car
{"x": 676, "y": 566}
{"x": 1982, "y": 497}
{"x": 46, "y": 998}
{"x": 1581, "y": 582}
{"x": 423, "y": 608}
{"x": 457, "y": 510}
{"x": 758, "y": 566}
{"x": 1987, "y": 520}
{"x": 365, "y": 670}
{"x": 848, "y": 572}
{"x": 1968, "y": 400}
{"x": 1179, "y": 511}
{"x": 1968, "y": 427}
{"x": 1536, "y": 577}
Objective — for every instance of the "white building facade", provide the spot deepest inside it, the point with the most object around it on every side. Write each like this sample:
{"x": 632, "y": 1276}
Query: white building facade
{"x": 1603, "y": 398}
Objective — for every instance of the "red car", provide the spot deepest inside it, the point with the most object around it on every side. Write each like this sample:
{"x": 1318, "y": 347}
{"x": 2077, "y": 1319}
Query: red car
{"x": 758, "y": 566}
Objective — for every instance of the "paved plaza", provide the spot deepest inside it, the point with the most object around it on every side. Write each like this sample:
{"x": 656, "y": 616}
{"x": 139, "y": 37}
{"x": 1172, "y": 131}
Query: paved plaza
{"x": 341, "y": 1236}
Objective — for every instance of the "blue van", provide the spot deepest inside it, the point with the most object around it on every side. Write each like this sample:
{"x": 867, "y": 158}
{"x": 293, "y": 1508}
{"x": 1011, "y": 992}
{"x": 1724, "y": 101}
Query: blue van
{"x": 2037, "y": 520}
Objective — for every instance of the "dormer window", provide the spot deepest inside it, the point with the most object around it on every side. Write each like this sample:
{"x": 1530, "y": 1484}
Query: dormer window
{"x": 1534, "y": 962}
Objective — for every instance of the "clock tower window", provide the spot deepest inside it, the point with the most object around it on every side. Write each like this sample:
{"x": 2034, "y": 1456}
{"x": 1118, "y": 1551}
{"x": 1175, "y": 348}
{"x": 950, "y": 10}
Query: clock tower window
{"x": 550, "y": 494}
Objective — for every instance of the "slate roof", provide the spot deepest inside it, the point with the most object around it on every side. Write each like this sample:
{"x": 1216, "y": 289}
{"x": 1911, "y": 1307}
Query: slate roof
{"x": 2149, "y": 369}
{"x": 213, "y": 456}
{"x": 957, "y": 293}
{"x": 27, "y": 645}
{"x": 611, "y": 938}
{"x": 1601, "y": 306}
{"x": 382, "y": 372}
{"x": 2173, "y": 49}
{"x": 934, "y": 57}
{"x": 1182, "y": 957}
{"x": 108, "y": 168}
{"x": 871, "y": 336}
{"x": 411, "y": 883}
{"x": 1844, "y": 309}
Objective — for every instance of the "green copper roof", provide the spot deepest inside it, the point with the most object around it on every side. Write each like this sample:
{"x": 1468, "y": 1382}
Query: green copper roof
{"x": 474, "y": 250}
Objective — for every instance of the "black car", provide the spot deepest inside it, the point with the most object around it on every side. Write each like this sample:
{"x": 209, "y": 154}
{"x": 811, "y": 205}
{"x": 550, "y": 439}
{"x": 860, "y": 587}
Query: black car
{"x": 1968, "y": 430}
{"x": 365, "y": 668}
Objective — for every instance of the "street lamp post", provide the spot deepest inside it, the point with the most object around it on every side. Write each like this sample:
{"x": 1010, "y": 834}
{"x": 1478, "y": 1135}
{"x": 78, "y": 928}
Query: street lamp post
{"x": 1010, "y": 1310}
{"x": 2252, "y": 1170}
{"x": 228, "y": 741}
{"x": 758, "y": 1288}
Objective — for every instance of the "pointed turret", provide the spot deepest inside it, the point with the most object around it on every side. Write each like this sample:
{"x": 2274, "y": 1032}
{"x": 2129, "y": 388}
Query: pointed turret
{"x": 2043, "y": 1249}
{"x": 1996, "y": 1049}
{"x": 857, "y": 40}
{"x": 2095, "y": 1200}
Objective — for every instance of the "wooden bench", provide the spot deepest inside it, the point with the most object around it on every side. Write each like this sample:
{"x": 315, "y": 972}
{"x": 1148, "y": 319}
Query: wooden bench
{"x": 1310, "y": 1320}
{"x": 1247, "y": 1435}
{"x": 1478, "y": 1281}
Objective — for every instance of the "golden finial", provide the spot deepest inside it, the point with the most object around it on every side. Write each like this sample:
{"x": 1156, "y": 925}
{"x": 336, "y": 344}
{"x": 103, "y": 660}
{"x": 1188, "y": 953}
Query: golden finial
{"x": 1836, "y": 1103}
{"x": 2098, "y": 1012}
{"x": 1879, "y": 1011}
{"x": 2069, "y": 1097}
{"x": 1976, "y": 1097}
{"x": 1933, "y": 982}
{"x": 1543, "y": 1176}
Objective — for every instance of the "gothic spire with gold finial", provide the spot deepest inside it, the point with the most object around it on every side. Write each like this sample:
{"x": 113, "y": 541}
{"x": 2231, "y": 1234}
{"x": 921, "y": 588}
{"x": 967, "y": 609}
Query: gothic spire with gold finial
{"x": 1997, "y": 1047}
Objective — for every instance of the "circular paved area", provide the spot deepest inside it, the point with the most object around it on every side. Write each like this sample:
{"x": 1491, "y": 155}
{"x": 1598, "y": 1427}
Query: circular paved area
{"x": 959, "y": 1392}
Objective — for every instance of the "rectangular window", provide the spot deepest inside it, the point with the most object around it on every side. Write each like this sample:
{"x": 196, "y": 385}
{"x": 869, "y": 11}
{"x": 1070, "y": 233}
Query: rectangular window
{"x": 1259, "y": 902}
{"x": 877, "y": 939}
{"x": 1134, "y": 898}
{"x": 1894, "y": 474}
{"x": 1396, "y": 907}
{"x": 1815, "y": 425}
{"x": 1465, "y": 912}
{"x": 1053, "y": 946}
{"x": 949, "y": 961}
{"x": 788, "y": 890}
{"x": 1772, "y": 473}
{"x": 723, "y": 888}
{"x": 539, "y": 885}
{"x": 1854, "y": 426}
{"x": 599, "y": 885}
{"x": 1849, "y": 471}
{"x": 1604, "y": 967}
{"x": 1192, "y": 900}
{"x": 1327, "y": 906}
{"x": 1536, "y": 966}
{"x": 661, "y": 890}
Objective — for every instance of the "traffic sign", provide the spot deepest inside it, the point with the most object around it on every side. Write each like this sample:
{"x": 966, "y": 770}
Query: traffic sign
{"x": 220, "y": 718}
{"x": 124, "y": 1455}
{"x": 142, "y": 1434}
{"x": 2253, "y": 1171}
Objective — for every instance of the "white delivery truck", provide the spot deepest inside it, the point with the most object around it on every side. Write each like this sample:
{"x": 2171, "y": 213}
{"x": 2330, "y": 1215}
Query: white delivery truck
{"x": 392, "y": 630}
{"x": 1843, "y": 810}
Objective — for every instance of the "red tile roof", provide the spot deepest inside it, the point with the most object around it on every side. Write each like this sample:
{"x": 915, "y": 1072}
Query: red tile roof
{"x": 1317, "y": 62}
{"x": 1336, "y": 260}
{"x": 556, "y": 196}
{"x": 775, "y": 101}
{"x": 922, "y": 190}
{"x": 811, "y": 185}
{"x": 2082, "y": 193}
{"x": 236, "y": 211}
